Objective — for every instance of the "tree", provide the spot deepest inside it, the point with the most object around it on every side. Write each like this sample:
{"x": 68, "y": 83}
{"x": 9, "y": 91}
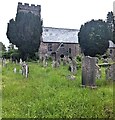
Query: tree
{"x": 2, "y": 47}
{"x": 110, "y": 22}
{"x": 93, "y": 37}
{"x": 110, "y": 17}
{"x": 25, "y": 33}
{"x": 114, "y": 30}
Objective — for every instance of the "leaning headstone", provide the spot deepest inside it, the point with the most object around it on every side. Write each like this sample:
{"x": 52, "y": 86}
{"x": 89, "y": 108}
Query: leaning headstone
{"x": 88, "y": 71}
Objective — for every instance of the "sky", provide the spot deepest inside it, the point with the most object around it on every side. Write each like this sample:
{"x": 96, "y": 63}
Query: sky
{"x": 57, "y": 13}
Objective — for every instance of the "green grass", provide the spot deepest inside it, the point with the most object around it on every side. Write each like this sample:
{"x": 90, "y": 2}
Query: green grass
{"x": 47, "y": 93}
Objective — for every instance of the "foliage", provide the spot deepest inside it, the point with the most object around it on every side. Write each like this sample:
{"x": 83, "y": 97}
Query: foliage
{"x": 47, "y": 93}
{"x": 2, "y": 47}
{"x": 110, "y": 21}
{"x": 93, "y": 37}
{"x": 110, "y": 17}
{"x": 25, "y": 33}
{"x": 12, "y": 53}
{"x": 114, "y": 31}
{"x": 79, "y": 57}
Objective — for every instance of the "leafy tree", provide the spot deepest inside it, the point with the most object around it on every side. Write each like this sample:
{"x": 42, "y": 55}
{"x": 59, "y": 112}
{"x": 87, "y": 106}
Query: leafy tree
{"x": 93, "y": 37}
{"x": 110, "y": 17}
{"x": 2, "y": 47}
{"x": 114, "y": 30}
{"x": 110, "y": 21}
{"x": 25, "y": 33}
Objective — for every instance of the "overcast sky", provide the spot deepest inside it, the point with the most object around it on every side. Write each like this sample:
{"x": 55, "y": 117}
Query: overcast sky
{"x": 57, "y": 13}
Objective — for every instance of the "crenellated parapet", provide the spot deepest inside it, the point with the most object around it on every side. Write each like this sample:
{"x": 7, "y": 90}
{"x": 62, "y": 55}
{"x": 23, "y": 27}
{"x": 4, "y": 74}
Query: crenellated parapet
{"x": 29, "y": 8}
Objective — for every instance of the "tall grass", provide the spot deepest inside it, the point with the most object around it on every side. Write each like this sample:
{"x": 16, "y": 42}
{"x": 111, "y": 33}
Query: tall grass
{"x": 47, "y": 93}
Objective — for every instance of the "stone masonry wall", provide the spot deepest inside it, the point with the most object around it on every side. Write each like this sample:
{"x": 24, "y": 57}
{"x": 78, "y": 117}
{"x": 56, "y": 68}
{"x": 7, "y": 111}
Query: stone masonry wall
{"x": 26, "y": 8}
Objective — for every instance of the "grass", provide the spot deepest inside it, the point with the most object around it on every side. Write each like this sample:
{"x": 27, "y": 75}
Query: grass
{"x": 47, "y": 93}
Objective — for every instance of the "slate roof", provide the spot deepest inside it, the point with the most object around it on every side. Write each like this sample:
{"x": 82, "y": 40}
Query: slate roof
{"x": 65, "y": 35}
{"x": 111, "y": 44}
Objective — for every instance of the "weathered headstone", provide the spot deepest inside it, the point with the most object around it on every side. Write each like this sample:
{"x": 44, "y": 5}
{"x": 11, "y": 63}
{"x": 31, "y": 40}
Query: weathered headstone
{"x": 14, "y": 70}
{"x": 3, "y": 62}
{"x": 55, "y": 64}
{"x": 110, "y": 72}
{"x": 88, "y": 71}
{"x": 26, "y": 71}
{"x": 20, "y": 61}
{"x": 98, "y": 72}
{"x": 72, "y": 66}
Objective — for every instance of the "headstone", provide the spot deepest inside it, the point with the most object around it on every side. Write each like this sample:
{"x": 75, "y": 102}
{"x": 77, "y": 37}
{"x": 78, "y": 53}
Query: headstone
{"x": 23, "y": 69}
{"x": 98, "y": 72}
{"x": 55, "y": 64}
{"x": 45, "y": 64}
{"x": 14, "y": 70}
{"x": 26, "y": 71}
{"x": 110, "y": 72}
{"x": 72, "y": 66}
{"x": 88, "y": 71}
{"x": 20, "y": 61}
{"x": 3, "y": 62}
{"x": 64, "y": 61}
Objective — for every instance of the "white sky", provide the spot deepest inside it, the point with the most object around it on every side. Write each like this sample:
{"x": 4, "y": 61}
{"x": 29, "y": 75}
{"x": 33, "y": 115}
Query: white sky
{"x": 57, "y": 13}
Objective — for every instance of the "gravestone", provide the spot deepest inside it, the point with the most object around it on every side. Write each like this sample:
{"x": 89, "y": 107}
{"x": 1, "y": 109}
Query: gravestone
{"x": 14, "y": 70}
{"x": 45, "y": 64}
{"x": 110, "y": 72}
{"x": 98, "y": 72}
{"x": 88, "y": 71}
{"x": 55, "y": 64}
{"x": 72, "y": 66}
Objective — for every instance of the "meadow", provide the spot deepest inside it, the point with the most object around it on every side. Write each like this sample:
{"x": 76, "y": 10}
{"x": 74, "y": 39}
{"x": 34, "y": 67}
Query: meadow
{"x": 47, "y": 93}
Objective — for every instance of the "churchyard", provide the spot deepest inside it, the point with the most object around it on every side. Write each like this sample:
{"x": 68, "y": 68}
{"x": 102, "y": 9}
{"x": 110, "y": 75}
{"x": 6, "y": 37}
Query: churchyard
{"x": 49, "y": 93}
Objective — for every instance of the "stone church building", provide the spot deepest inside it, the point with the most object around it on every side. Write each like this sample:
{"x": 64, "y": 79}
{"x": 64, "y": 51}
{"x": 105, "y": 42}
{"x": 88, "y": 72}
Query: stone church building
{"x": 59, "y": 42}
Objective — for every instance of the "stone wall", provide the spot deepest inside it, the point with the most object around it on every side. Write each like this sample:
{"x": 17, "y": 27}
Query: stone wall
{"x": 67, "y": 49}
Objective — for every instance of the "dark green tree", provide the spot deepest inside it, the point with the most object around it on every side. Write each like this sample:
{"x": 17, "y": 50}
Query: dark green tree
{"x": 25, "y": 32}
{"x": 2, "y": 47}
{"x": 110, "y": 17}
{"x": 114, "y": 30}
{"x": 93, "y": 37}
{"x": 110, "y": 21}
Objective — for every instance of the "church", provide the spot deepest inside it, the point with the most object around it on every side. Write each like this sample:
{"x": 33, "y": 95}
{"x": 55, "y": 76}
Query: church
{"x": 59, "y": 42}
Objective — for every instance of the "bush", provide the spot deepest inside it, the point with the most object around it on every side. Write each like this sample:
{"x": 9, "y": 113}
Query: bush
{"x": 78, "y": 58}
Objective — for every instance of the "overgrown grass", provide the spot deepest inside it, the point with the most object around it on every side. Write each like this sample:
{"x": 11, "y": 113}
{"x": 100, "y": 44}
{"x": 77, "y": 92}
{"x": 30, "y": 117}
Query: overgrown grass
{"x": 47, "y": 93}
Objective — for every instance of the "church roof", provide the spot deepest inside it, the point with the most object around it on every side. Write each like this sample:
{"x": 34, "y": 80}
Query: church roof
{"x": 65, "y": 35}
{"x": 111, "y": 44}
